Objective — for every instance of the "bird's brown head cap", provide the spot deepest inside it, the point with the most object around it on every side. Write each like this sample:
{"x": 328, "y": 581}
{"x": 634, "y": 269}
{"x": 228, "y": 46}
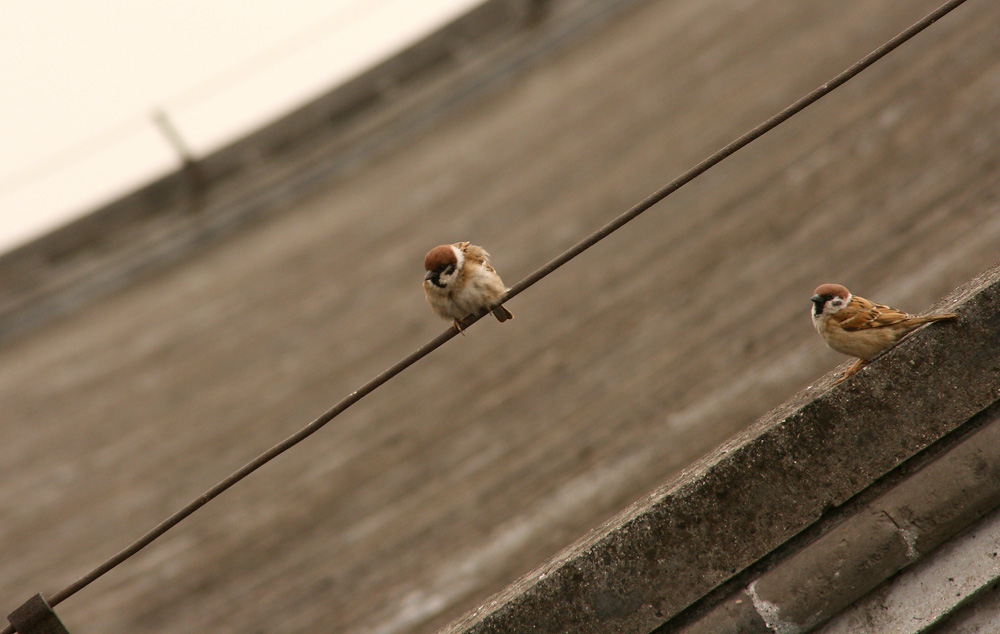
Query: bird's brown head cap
{"x": 831, "y": 290}
{"x": 440, "y": 256}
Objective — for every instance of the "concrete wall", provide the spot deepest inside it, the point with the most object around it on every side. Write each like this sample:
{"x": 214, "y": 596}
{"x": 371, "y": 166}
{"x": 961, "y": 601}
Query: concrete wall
{"x": 627, "y": 370}
{"x": 810, "y": 509}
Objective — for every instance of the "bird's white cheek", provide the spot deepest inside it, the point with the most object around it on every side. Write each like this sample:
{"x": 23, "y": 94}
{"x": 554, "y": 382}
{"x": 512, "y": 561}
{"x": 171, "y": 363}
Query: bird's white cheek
{"x": 835, "y": 306}
{"x": 448, "y": 280}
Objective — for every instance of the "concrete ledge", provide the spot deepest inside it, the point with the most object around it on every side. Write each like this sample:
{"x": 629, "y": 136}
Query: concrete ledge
{"x": 899, "y": 527}
{"x": 779, "y": 477}
{"x": 953, "y": 586}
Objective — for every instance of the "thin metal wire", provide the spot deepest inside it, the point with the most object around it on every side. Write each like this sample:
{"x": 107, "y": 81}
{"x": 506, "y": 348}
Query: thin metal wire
{"x": 518, "y": 288}
{"x": 736, "y": 145}
{"x": 253, "y": 465}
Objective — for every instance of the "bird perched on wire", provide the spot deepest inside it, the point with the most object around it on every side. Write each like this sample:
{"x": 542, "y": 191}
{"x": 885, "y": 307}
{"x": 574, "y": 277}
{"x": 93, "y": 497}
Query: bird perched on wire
{"x": 861, "y": 328}
{"x": 460, "y": 282}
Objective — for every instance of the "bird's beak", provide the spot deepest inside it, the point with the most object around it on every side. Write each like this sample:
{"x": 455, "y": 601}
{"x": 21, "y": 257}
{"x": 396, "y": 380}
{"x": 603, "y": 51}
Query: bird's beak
{"x": 428, "y": 275}
{"x": 819, "y": 302}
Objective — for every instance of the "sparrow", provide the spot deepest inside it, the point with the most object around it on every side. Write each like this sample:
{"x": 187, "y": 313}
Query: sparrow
{"x": 460, "y": 282}
{"x": 861, "y": 328}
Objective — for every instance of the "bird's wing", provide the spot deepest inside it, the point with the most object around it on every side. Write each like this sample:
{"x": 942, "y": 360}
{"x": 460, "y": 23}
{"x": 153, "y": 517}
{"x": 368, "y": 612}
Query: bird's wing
{"x": 868, "y": 314}
{"x": 478, "y": 254}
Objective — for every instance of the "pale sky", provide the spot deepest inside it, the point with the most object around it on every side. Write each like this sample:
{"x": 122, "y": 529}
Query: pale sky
{"x": 81, "y": 81}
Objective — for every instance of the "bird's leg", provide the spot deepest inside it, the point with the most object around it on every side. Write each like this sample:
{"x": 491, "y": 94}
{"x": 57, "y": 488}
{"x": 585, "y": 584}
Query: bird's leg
{"x": 860, "y": 363}
{"x": 462, "y": 324}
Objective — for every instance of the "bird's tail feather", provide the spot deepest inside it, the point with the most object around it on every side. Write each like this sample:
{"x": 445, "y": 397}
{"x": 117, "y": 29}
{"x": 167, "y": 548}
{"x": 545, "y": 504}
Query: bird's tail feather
{"x": 925, "y": 319}
{"x": 502, "y": 314}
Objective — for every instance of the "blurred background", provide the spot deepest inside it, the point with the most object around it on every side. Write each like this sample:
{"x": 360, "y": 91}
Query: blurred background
{"x": 88, "y": 83}
{"x": 192, "y": 314}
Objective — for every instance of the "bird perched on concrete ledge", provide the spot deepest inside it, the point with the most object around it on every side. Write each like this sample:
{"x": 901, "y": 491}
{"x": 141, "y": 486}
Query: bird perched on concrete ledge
{"x": 861, "y": 328}
{"x": 460, "y": 282}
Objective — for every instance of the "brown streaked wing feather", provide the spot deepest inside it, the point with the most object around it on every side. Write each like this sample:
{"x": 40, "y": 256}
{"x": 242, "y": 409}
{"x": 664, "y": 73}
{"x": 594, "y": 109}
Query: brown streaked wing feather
{"x": 868, "y": 314}
{"x": 476, "y": 254}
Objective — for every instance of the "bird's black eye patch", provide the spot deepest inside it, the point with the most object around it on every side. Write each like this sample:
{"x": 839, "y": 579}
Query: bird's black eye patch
{"x": 819, "y": 302}
{"x": 435, "y": 275}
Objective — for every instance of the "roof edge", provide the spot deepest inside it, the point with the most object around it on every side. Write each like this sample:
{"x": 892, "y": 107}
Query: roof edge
{"x": 765, "y": 485}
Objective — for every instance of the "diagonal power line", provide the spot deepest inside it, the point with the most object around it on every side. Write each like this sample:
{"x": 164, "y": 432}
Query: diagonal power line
{"x": 518, "y": 288}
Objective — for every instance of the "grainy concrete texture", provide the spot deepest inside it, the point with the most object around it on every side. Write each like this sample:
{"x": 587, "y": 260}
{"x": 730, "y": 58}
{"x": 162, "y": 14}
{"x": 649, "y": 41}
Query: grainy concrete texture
{"x": 147, "y": 353}
{"x": 776, "y": 478}
{"x": 904, "y": 524}
{"x": 954, "y": 589}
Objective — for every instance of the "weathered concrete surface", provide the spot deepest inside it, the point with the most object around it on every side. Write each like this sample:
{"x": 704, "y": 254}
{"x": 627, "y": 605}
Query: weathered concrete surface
{"x": 947, "y": 592}
{"x": 775, "y": 479}
{"x": 500, "y": 449}
{"x": 979, "y": 615}
{"x": 900, "y": 526}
